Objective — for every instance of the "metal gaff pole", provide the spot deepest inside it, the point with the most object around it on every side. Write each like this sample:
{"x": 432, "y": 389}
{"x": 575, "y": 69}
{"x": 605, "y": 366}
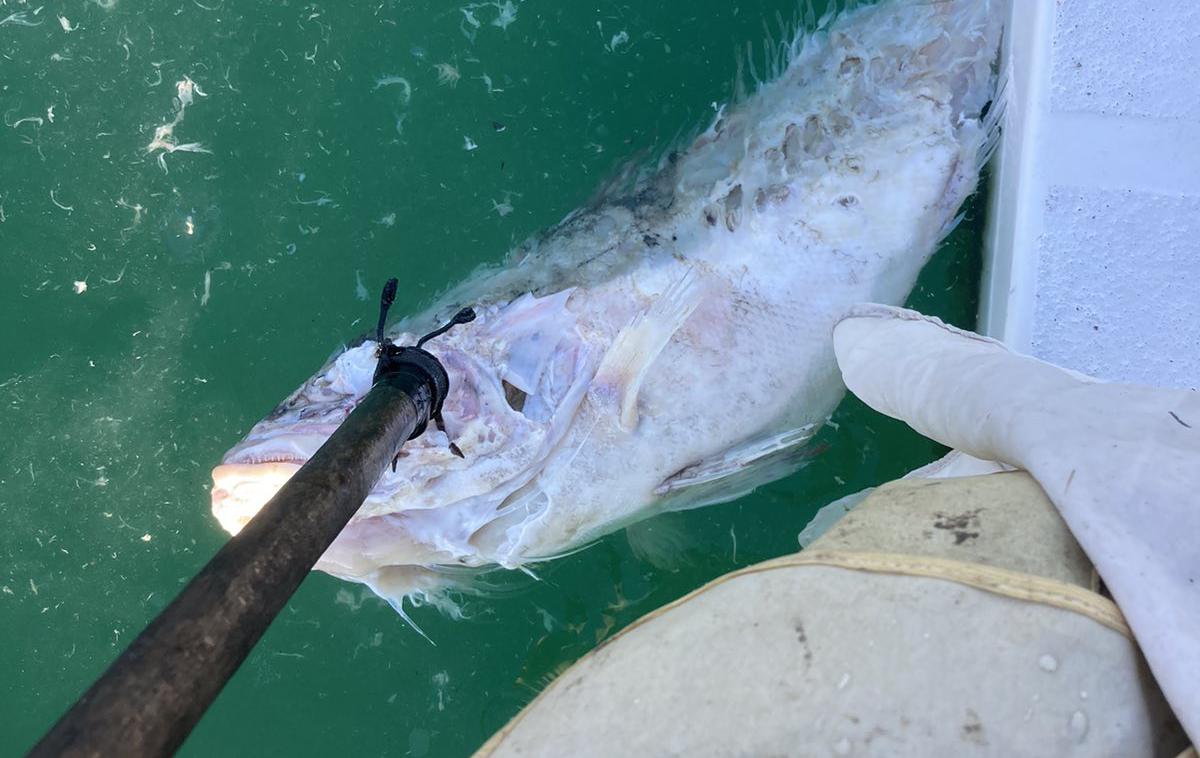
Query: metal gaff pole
{"x": 151, "y": 697}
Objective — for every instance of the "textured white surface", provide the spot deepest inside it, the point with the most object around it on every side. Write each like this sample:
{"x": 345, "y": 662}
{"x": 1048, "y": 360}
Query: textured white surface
{"x": 1094, "y": 227}
{"x": 1114, "y": 299}
{"x": 1127, "y": 58}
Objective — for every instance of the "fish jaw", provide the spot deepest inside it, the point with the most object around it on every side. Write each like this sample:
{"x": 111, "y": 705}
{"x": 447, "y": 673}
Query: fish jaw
{"x": 254, "y": 470}
{"x": 517, "y": 374}
{"x": 241, "y": 489}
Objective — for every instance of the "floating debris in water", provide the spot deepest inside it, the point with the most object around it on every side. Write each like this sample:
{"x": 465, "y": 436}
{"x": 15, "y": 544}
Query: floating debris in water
{"x": 447, "y": 74}
{"x": 119, "y": 277}
{"x": 469, "y": 25}
{"x": 186, "y": 91}
{"x": 469, "y": 144}
{"x": 53, "y": 199}
{"x": 440, "y": 680}
{"x": 79, "y": 287}
{"x": 21, "y": 18}
{"x": 507, "y": 15}
{"x": 204, "y": 297}
{"x": 505, "y": 206}
{"x": 390, "y": 80}
{"x": 65, "y": 23}
{"x": 321, "y": 201}
{"x": 36, "y": 120}
{"x": 487, "y": 82}
{"x": 499, "y": 127}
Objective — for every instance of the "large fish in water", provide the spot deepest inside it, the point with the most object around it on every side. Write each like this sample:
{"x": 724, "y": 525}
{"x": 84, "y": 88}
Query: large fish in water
{"x": 670, "y": 347}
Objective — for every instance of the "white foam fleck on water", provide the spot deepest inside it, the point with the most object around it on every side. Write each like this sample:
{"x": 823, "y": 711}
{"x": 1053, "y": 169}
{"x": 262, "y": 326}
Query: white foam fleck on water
{"x": 469, "y": 144}
{"x": 845, "y": 680}
{"x": 1048, "y": 663}
{"x": 360, "y": 289}
{"x": 80, "y": 287}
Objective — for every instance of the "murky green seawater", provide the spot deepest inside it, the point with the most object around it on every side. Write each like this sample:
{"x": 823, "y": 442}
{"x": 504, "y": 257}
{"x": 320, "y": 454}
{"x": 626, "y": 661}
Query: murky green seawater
{"x": 215, "y": 287}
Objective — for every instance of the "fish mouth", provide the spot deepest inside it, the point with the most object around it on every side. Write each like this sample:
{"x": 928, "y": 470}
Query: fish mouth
{"x": 253, "y": 471}
{"x": 240, "y": 490}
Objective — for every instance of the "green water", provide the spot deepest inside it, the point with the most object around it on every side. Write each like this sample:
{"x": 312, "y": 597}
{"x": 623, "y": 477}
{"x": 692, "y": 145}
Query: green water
{"x": 116, "y": 402}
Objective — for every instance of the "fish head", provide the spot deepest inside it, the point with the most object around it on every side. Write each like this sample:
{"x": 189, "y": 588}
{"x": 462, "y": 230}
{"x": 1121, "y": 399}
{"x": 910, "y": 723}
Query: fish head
{"x": 516, "y": 376}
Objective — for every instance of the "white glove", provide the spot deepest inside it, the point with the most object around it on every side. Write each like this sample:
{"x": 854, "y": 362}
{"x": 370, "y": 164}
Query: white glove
{"x": 1120, "y": 462}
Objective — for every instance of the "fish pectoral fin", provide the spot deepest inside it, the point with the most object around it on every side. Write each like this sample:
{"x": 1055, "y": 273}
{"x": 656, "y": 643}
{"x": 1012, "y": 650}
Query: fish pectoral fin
{"x": 738, "y": 470}
{"x": 639, "y": 343}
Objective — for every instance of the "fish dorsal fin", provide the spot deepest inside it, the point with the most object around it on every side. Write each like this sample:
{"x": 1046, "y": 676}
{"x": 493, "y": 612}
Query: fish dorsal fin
{"x": 639, "y": 343}
{"x": 737, "y": 471}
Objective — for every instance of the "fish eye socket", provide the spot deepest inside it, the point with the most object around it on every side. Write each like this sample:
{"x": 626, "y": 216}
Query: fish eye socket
{"x": 515, "y": 397}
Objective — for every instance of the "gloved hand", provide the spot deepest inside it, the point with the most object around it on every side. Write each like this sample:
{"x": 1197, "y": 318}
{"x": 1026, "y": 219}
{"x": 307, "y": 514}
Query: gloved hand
{"x": 1120, "y": 462}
